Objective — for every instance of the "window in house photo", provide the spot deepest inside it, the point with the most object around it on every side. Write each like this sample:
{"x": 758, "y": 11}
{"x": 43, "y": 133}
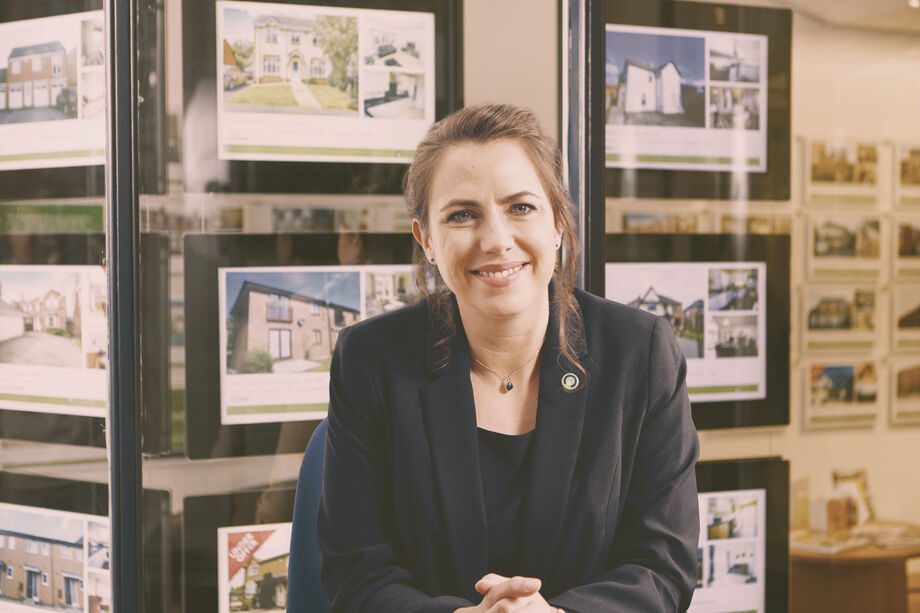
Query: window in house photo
{"x": 36, "y": 64}
{"x": 57, "y": 65}
{"x": 46, "y": 548}
{"x": 295, "y": 38}
{"x": 317, "y": 337}
{"x": 271, "y": 35}
{"x": 279, "y": 344}
{"x": 15, "y": 67}
{"x": 66, "y": 552}
{"x": 31, "y": 545}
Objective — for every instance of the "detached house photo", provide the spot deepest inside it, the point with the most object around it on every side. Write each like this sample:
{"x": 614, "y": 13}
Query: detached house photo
{"x": 687, "y": 321}
{"x": 281, "y": 329}
{"x": 304, "y": 62}
{"x": 654, "y": 80}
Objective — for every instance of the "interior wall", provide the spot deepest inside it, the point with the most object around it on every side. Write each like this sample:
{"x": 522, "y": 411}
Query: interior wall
{"x": 852, "y": 84}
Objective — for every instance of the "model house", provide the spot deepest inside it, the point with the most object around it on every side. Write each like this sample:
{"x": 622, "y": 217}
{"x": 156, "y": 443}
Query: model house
{"x": 46, "y": 572}
{"x": 649, "y": 89}
{"x": 284, "y": 324}
{"x": 266, "y": 581}
{"x": 36, "y": 74}
{"x": 286, "y": 50}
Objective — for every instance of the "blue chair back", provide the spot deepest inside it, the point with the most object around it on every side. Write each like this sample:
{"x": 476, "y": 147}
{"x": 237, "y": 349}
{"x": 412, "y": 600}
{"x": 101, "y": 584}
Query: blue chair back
{"x": 305, "y": 587}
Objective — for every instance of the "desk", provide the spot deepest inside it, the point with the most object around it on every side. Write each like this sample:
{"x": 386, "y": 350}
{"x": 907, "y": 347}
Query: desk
{"x": 859, "y": 580}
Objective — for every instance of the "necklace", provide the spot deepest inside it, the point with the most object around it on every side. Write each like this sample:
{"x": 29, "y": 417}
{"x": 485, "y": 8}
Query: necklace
{"x": 507, "y": 380}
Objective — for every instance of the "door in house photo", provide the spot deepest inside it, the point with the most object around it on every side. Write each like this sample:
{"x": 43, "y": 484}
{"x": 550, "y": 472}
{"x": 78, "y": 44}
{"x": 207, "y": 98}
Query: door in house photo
{"x": 32, "y": 584}
{"x": 71, "y": 593}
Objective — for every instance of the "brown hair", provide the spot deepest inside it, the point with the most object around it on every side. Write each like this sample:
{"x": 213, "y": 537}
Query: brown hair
{"x": 483, "y": 124}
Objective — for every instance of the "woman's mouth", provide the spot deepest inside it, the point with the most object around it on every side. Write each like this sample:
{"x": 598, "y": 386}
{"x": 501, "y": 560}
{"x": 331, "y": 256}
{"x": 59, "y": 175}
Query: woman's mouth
{"x": 497, "y": 272}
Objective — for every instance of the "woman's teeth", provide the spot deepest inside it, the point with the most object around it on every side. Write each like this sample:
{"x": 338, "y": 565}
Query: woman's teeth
{"x": 502, "y": 274}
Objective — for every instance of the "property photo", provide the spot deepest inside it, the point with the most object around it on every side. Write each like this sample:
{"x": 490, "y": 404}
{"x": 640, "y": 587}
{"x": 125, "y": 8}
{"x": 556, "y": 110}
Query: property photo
{"x": 658, "y": 223}
{"x": 841, "y": 310}
{"x": 41, "y": 560}
{"x": 847, "y": 237}
{"x": 907, "y": 308}
{"x": 909, "y": 166}
{"x": 676, "y": 298}
{"x": 52, "y": 316}
{"x": 733, "y": 289}
{"x": 655, "y": 79}
{"x": 394, "y": 42}
{"x": 734, "y": 108}
{"x": 843, "y": 163}
{"x": 92, "y": 42}
{"x": 97, "y": 545}
{"x": 908, "y": 383}
{"x": 736, "y": 336}
{"x": 732, "y": 564}
{"x": 288, "y": 60}
{"x": 843, "y": 384}
{"x": 256, "y": 561}
{"x": 393, "y": 95}
{"x": 389, "y": 290}
{"x": 735, "y": 58}
{"x": 92, "y": 93}
{"x": 287, "y": 322}
{"x": 729, "y": 517}
{"x": 99, "y": 591}
{"x": 38, "y": 69}
{"x": 908, "y": 239}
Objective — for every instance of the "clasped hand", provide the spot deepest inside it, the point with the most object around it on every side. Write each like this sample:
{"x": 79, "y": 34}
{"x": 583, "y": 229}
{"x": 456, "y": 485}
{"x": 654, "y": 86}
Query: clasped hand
{"x": 504, "y": 595}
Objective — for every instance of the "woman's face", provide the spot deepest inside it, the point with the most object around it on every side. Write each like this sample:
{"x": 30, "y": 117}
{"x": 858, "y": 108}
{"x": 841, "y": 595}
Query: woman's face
{"x": 491, "y": 229}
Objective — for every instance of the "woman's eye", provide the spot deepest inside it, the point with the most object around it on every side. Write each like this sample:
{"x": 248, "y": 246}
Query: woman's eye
{"x": 522, "y": 208}
{"x": 460, "y": 216}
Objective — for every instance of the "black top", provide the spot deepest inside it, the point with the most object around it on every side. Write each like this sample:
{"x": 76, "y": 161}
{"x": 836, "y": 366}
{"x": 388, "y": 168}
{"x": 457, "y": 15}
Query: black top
{"x": 504, "y": 460}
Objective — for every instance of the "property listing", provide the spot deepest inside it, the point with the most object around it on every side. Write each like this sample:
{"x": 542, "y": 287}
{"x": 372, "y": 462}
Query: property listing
{"x": 252, "y": 563}
{"x": 53, "y": 328}
{"x": 52, "y": 86}
{"x": 279, "y": 326}
{"x": 718, "y": 313}
{"x": 685, "y": 99}
{"x": 731, "y": 557}
{"x": 53, "y": 560}
{"x": 315, "y": 83}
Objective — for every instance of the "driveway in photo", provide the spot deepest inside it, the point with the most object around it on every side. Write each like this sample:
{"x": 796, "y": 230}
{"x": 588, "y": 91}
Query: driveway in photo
{"x": 41, "y": 349}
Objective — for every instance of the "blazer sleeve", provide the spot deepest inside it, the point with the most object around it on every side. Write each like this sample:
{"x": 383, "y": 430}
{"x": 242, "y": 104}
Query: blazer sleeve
{"x": 652, "y": 563}
{"x": 355, "y": 525}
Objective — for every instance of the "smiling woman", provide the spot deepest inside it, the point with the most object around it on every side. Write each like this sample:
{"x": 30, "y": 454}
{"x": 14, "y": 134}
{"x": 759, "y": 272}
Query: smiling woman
{"x": 510, "y": 442}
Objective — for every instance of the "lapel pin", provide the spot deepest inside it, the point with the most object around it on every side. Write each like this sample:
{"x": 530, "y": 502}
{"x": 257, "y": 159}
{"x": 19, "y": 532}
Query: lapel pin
{"x": 569, "y": 381}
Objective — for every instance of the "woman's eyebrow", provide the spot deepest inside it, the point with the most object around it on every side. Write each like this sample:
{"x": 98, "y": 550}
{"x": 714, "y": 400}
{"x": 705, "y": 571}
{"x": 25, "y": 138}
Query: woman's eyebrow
{"x": 518, "y": 196}
{"x": 454, "y": 202}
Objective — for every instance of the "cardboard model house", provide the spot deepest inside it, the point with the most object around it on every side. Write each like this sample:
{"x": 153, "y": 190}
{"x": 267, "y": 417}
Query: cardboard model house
{"x": 650, "y": 89}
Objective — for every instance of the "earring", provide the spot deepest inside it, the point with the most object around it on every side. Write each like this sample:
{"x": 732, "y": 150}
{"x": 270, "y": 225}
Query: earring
{"x": 558, "y": 243}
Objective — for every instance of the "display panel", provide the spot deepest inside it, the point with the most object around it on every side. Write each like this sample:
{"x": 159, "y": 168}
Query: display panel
{"x": 658, "y": 83}
{"x": 316, "y": 83}
{"x": 840, "y": 392}
{"x": 53, "y": 327}
{"x": 55, "y": 545}
{"x": 301, "y": 97}
{"x": 718, "y": 313}
{"x": 697, "y": 100}
{"x": 235, "y": 549}
{"x": 262, "y": 313}
{"x": 742, "y": 558}
{"x": 727, "y": 301}
{"x": 52, "y": 99}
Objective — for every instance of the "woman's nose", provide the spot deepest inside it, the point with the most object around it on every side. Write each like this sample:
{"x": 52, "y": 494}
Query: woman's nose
{"x": 495, "y": 234}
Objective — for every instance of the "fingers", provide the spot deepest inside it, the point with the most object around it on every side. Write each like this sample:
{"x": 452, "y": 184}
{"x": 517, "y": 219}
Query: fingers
{"x": 488, "y": 582}
{"x": 515, "y": 587}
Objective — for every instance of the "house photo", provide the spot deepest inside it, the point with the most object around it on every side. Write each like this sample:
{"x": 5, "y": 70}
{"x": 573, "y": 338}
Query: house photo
{"x": 299, "y": 61}
{"x": 730, "y": 517}
{"x": 831, "y": 384}
{"x": 287, "y": 322}
{"x": 657, "y": 223}
{"x": 254, "y": 567}
{"x": 654, "y": 79}
{"x": 908, "y": 383}
{"x": 41, "y": 561}
{"x": 686, "y": 320}
{"x": 909, "y": 166}
{"x": 843, "y": 163}
{"x": 908, "y": 240}
{"x": 841, "y": 311}
{"x": 389, "y": 290}
{"x": 733, "y": 289}
{"x": 847, "y": 237}
{"x": 734, "y": 58}
{"x": 734, "y": 108}
{"x": 732, "y": 564}
{"x": 393, "y": 95}
{"x": 736, "y": 336}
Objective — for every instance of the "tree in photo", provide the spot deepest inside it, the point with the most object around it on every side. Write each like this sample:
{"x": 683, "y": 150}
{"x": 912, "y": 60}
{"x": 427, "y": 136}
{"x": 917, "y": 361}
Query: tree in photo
{"x": 242, "y": 53}
{"x": 338, "y": 38}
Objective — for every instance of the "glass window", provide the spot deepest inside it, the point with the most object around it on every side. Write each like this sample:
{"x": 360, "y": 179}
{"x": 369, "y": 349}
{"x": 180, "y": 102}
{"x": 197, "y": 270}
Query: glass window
{"x": 67, "y": 552}
{"x": 44, "y": 578}
{"x": 271, "y": 35}
{"x": 31, "y": 545}
{"x": 12, "y": 542}
{"x": 16, "y": 66}
{"x": 295, "y": 38}
{"x": 46, "y": 548}
{"x": 57, "y": 65}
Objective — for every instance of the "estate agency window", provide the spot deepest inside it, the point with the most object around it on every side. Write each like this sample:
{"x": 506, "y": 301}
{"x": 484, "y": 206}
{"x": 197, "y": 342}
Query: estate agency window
{"x": 279, "y": 344}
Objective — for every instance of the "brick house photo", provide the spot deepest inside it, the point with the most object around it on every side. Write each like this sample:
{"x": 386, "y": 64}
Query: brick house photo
{"x": 272, "y": 328}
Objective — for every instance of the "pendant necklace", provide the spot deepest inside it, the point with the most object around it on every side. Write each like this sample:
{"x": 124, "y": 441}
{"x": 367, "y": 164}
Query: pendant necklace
{"x": 507, "y": 385}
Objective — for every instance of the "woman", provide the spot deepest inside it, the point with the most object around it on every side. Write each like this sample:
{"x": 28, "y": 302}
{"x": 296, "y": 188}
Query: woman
{"x": 509, "y": 443}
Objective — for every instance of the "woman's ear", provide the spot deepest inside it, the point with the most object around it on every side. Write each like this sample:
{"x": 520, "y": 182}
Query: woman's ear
{"x": 421, "y": 237}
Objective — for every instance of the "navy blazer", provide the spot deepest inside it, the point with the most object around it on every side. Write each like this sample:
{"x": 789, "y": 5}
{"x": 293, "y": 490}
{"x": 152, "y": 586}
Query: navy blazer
{"x": 611, "y": 521}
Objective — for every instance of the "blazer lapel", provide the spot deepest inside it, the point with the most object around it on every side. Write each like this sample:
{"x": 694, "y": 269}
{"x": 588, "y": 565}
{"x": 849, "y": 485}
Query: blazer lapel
{"x": 450, "y": 419}
{"x": 557, "y": 438}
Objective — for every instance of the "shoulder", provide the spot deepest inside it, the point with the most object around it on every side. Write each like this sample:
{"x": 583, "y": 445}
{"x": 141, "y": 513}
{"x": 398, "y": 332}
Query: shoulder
{"x": 604, "y": 318}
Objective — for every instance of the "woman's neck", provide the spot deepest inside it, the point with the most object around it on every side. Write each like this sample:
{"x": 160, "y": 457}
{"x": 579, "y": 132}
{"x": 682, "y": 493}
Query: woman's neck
{"x": 505, "y": 344}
